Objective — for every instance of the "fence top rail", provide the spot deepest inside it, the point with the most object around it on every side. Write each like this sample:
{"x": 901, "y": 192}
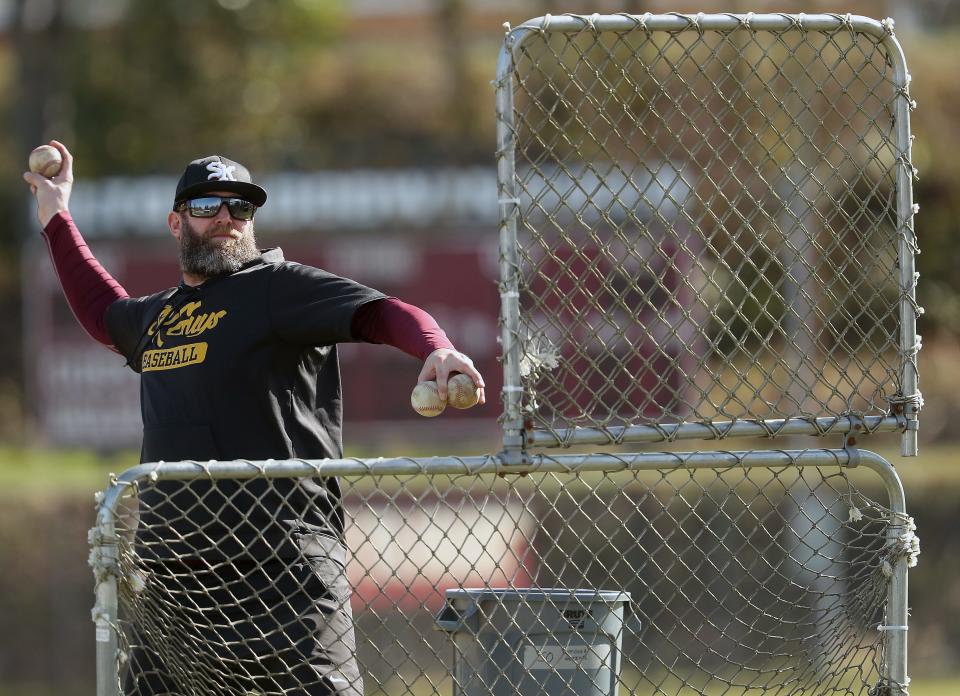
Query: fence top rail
{"x": 674, "y": 22}
{"x": 723, "y": 22}
{"x": 571, "y": 464}
{"x": 881, "y": 29}
{"x": 495, "y": 464}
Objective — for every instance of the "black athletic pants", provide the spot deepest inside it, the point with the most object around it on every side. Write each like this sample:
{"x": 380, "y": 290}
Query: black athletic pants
{"x": 243, "y": 628}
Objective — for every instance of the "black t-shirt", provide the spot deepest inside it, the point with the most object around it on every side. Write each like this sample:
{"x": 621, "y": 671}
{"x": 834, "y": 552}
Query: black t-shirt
{"x": 243, "y": 366}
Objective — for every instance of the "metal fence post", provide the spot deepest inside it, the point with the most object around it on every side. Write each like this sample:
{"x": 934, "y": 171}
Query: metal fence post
{"x": 896, "y": 620}
{"x": 103, "y": 561}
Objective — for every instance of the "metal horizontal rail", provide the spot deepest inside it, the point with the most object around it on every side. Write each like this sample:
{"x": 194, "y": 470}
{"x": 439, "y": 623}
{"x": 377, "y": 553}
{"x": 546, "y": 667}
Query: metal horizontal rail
{"x": 676, "y": 21}
{"x": 671, "y": 432}
{"x": 464, "y": 466}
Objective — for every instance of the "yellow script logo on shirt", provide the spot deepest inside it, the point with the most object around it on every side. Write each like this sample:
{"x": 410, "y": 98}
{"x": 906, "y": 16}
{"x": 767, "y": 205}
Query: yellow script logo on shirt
{"x": 169, "y": 358}
{"x": 186, "y": 321}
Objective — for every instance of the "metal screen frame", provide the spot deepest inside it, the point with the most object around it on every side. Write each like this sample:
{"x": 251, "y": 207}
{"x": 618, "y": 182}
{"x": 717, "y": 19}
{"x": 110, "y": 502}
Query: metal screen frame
{"x": 519, "y": 433}
{"x": 104, "y": 541}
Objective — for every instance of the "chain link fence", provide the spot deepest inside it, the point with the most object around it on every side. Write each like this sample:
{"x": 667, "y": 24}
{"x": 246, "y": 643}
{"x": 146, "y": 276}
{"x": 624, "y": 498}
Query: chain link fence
{"x": 706, "y": 227}
{"x": 706, "y": 232}
{"x": 729, "y": 594}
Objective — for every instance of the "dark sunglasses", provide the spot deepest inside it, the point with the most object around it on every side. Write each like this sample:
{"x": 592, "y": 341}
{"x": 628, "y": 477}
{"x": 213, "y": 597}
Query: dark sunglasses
{"x": 209, "y": 206}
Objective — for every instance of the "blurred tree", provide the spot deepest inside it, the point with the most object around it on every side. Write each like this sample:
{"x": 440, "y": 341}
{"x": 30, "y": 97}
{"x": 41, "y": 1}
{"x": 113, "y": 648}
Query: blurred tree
{"x": 29, "y": 80}
{"x": 175, "y": 80}
{"x": 451, "y": 16}
{"x": 278, "y": 85}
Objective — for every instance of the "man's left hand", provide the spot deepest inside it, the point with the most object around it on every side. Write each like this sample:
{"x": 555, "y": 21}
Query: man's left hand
{"x": 443, "y": 362}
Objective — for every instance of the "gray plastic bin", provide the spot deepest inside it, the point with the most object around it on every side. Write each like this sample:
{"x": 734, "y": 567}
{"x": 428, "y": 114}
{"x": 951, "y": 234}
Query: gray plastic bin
{"x": 532, "y": 642}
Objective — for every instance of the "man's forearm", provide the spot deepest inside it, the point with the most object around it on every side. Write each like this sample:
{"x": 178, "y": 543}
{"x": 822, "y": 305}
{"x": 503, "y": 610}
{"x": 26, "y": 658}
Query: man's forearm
{"x": 89, "y": 289}
{"x": 400, "y": 325}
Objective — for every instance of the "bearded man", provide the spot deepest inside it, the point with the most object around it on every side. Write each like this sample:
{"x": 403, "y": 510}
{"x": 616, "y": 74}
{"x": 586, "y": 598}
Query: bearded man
{"x": 239, "y": 361}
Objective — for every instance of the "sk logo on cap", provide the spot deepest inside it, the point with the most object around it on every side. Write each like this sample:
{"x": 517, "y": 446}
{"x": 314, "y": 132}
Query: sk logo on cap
{"x": 220, "y": 172}
{"x": 217, "y": 173}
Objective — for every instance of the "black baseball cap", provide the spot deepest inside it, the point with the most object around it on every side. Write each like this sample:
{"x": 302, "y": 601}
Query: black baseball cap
{"x": 217, "y": 173}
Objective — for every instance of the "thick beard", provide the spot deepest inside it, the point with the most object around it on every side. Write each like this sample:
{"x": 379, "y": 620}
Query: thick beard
{"x": 204, "y": 257}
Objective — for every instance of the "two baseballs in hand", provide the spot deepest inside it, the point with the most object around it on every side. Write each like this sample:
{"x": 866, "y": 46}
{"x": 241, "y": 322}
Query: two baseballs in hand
{"x": 45, "y": 161}
{"x": 461, "y": 393}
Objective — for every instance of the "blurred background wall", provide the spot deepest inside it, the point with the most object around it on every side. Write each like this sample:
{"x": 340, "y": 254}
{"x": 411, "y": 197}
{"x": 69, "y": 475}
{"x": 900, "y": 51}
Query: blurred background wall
{"x": 371, "y": 123}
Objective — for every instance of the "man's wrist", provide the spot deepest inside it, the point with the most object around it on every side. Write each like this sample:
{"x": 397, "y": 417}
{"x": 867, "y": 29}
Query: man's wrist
{"x": 58, "y": 216}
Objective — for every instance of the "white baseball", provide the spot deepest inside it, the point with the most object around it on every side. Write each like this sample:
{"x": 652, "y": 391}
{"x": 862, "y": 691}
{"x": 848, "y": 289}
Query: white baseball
{"x": 46, "y": 161}
{"x": 425, "y": 399}
{"x": 461, "y": 391}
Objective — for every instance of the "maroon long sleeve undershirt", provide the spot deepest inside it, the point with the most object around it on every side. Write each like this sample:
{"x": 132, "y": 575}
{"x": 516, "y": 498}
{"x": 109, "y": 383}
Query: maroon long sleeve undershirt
{"x": 400, "y": 325}
{"x": 88, "y": 287}
{"x": 89, "y": 290}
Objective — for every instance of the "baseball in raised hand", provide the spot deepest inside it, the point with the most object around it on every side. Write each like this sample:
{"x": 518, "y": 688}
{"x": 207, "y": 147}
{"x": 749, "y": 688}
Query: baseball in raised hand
{"x": 52, "y": 192}
{"x": 45, "y": 160}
